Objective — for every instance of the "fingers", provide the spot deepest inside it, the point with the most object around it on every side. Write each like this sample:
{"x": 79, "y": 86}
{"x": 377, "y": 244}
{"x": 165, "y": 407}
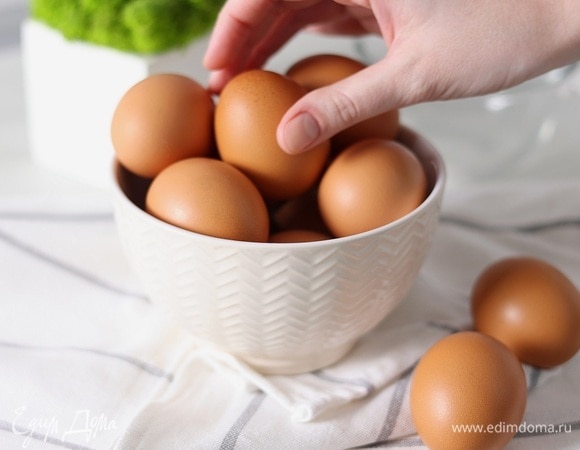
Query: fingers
{"x": 324, "y": 112}
{"x": 235, "y": 26}
{"x": 238, "y": 31}
{"x": 346, "y": 26}
{"x": 289, "y": 23}
{"x": 248, "y": 32}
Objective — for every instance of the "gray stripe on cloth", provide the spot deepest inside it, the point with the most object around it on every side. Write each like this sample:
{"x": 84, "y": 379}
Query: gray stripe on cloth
{"x": 28, "y": 434}
{"x": 369, "y": 387}
{"x": 145, "y": 366}
{"x": 530, "y": 228}
{"x": 396, "y": 403}
{"x": 399, "y": 396}
{"x": 31, "y": 251}
{"x": 403, "y": 442}
{"x": 534, "y": 378}
{"x": 443, "y": 326}
{"x": 407, "y": 442}
{"x": 231, "y": 438}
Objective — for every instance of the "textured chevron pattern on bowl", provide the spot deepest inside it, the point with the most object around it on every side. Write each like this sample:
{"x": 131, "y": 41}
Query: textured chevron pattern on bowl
{"x": 283, "y": 308}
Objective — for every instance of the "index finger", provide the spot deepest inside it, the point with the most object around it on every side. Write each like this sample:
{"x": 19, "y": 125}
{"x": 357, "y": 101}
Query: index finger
{"x": 242, "y": 23}
{"x": 238, "y": 23}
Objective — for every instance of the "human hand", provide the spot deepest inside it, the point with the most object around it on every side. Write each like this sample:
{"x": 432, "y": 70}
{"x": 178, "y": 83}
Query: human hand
{"x": 437, "y": 50}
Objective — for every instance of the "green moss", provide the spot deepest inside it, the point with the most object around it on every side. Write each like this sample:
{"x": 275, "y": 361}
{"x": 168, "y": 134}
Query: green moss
{"x": 137, "y": 26}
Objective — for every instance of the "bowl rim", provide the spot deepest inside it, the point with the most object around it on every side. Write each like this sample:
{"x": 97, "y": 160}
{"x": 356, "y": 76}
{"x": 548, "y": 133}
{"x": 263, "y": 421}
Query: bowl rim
{"x": 406, "y": 135}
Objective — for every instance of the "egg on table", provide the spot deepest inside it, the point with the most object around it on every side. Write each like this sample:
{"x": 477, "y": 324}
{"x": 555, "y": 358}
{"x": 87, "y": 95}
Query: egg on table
{"x": 530, "y": 306}
{"x": 465, "y": 381}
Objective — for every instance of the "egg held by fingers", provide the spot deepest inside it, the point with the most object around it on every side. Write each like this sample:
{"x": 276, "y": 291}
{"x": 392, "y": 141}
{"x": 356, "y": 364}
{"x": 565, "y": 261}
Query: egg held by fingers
{"x": 248, "y": 112}
{"x": 321, "y": 70}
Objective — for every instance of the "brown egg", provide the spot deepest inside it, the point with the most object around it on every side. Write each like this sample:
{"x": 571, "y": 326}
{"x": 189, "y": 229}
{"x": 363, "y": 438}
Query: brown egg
{"x": 290, "y": 236}
{"x": 160, "y": 120}
{"x": 248, "y": 112}
{"x": 530, "y": 306}
{"x": 318, "y": 71}
{"x": 370, "y": 184}
{"x": 210, "y": 197}
{"x": 467, "y": 379}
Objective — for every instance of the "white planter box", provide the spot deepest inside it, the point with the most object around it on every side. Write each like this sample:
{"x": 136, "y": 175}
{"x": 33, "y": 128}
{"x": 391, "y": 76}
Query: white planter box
{"x": 72, "y": 89}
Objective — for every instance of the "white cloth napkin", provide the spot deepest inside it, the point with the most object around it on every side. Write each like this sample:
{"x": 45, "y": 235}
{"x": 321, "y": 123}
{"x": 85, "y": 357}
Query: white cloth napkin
{"x": 87, "y": 362}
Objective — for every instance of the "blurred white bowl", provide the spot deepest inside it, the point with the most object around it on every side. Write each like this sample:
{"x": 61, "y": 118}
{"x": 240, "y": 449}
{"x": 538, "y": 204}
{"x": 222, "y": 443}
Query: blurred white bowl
{"x": 281, "y": 308}
{"x": 491, "y": 137}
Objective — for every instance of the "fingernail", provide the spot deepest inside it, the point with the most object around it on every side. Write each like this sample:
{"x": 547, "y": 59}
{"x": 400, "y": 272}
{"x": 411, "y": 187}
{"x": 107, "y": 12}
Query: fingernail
{"x": 300, "y": 132}
{"x": 215, "y": 81}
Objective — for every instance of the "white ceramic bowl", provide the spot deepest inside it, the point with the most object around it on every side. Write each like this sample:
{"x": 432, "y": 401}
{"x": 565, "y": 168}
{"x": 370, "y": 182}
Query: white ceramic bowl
{"x": 281, "y": 308}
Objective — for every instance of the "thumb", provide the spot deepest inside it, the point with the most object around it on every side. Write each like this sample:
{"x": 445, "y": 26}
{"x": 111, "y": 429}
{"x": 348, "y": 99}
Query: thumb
{"x": 324, "y": 112}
